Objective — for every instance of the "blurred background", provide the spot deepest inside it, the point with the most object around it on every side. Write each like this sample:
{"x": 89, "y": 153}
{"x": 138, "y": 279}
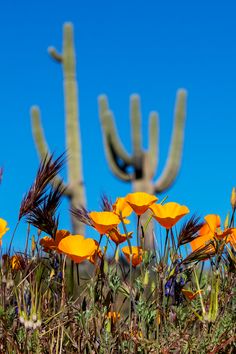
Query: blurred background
{"x": 122, "y": 47}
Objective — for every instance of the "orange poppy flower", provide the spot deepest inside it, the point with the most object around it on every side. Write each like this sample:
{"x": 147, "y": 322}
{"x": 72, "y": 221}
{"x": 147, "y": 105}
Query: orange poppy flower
{"x": 113, "y": 316}
{"x": 190, "y": 295}
{"x": 121, "y": 207}
{"x": 3, "y": 227}
{"x": 49, "y": 244}
{"x": 210, "y": 229}
{"x": 232, "y": 238}
{"x": 140, "y": 201}
{"x": 118, "y": 237}
{"x": 137, "y": 254}
{"x": 104, "y": 221}
{"x": 79, "y": 249}
{"x": 168, "y": 214}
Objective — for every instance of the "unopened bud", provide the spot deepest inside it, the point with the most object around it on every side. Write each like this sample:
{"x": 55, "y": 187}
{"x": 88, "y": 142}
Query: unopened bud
{"x": 117, "y": 256}
{"x": 226, "y": 223}
{"x": 146, "y": 278}
{"x": 233, "y": 198}
{"x": 33, "y": 244}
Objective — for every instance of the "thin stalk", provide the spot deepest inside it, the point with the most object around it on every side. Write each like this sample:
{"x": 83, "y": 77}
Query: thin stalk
{"x": 166, "y": 241}
{"x": 12, "y": 238}
{"x": 27, "y": 238}
{"x": 200, "y": 293}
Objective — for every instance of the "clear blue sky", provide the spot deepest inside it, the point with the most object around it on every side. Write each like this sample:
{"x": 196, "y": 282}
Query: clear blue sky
{"x": 123, "y": 47}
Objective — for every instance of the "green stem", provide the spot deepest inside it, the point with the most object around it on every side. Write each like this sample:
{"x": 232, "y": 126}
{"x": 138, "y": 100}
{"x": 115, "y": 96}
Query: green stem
{"x": 200, "y": 293}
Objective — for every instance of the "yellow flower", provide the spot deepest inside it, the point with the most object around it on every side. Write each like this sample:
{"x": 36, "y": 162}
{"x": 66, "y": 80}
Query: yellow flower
{"x": 49, "y": 244}
{"x": 121, "y": 207}
{"x": 140, "y": 201}
{"x": 79, "y": 249}
{"x": 136, "y": 253}
{"x": 118, "y": 237}
{"x": 3, "y": 227}
{"x": 232, "y": 238}
{"x": 168, "y": 214}
{"x": 210, "y": 229}
{"x": 104, "y": 221}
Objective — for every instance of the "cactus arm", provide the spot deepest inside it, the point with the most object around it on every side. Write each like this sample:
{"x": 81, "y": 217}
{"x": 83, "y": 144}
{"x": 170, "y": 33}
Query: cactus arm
{"x": 117, "y": 165}
{"x": 109, "y": 129}
{"x": 135, "y": 116}
{"x": 153, "y": 151}
{"x": 41, "y": 144}
{"x": 175, "y": 152}
{"x": 55, "y": 55}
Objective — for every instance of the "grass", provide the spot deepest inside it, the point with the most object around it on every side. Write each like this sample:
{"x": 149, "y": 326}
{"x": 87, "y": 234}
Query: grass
{"x": 174, "y": 301}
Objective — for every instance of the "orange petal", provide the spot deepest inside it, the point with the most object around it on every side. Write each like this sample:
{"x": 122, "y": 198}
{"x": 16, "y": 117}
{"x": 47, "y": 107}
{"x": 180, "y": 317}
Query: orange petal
{"x": 121, "y": 207}
{"x": 191, "y": 295}
{"x": 3, "y": 227}
{"x": 104, "y": 221}
{"x": 117, "y": 237}
{"x": 232, "y": 238}
{"x": 213, "y": 221}
{"x": 114, "y": 316}
{"x": 136, "y": 253}
{"x": 48, "y": 243}
{"x": 78, "y": 248}
{"x": 201, "y": 241}
{"x": 168, "y": 214}
{"x": 60, "y": 234}
{"x": 140, "y": 201}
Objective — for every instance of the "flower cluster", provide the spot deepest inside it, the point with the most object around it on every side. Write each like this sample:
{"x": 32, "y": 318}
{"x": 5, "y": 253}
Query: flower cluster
{"x": 109, "y": 223}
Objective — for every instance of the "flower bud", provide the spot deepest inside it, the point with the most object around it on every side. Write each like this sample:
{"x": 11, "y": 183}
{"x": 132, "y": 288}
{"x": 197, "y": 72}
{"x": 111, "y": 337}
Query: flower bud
{"x": 233, "y": 198}
{"x": 146, "y": 278}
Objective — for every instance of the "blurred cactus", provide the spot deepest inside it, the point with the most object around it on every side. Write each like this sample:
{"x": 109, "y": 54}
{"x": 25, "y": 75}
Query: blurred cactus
{"x": 140, "y": 167}
{"x": 75, "y": 190}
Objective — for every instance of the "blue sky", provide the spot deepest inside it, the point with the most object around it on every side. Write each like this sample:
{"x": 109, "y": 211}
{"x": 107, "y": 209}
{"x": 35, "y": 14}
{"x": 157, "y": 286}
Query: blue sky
{"x": 123, "y": 47}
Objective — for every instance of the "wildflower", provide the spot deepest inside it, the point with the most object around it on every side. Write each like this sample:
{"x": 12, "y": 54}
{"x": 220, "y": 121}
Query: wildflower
{"x": 168, "y": 214}
{"x": 104, "y": 221}
{"x": 136, "y": 254}
{"x": 113, "y": 316}
{"x": 140, "y": 201}
{"x": 50, "y": 244}
{"x": 210, "y": 230}
{"x": 190, "y": 295}
{"x": 232, "y": 238}
{"x": 79, "y": 249}
{"x": 122, "y": 208}
{"x": 3, "y": 227}
{"x": 176, "y": 281}
{"x": 116, "y": 236}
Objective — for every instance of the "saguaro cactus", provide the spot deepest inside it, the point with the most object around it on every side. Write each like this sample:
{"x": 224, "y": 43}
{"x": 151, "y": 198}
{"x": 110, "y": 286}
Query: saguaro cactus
{"x": 140, "y": 167}
{"x": 75, "y": 188}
